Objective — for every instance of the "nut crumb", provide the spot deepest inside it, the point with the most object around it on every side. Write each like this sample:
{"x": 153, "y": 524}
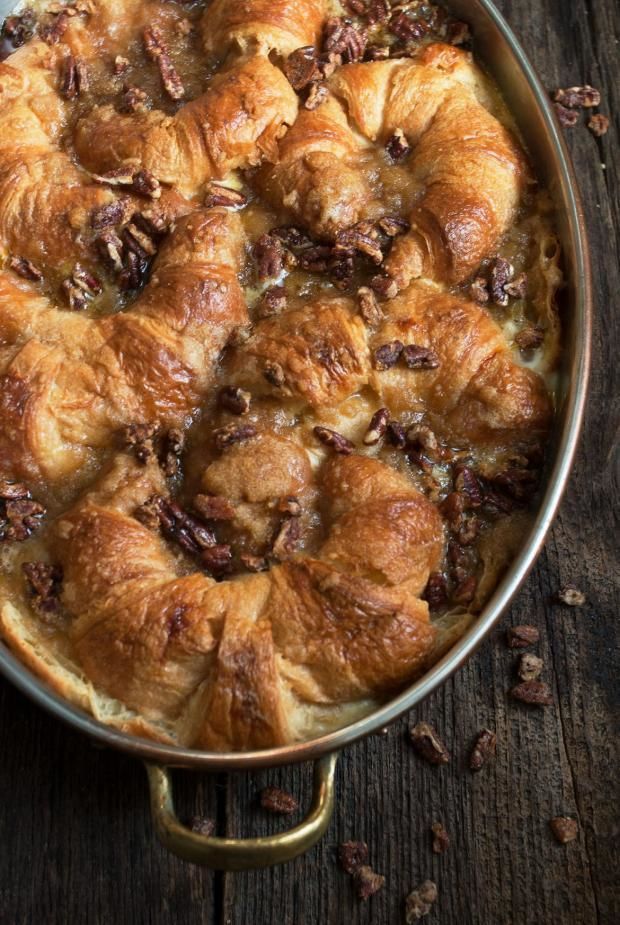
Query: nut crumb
{"x": 419, "y": 902}
{"x": 483, "y": 750}
{"x": 530, "y": 667}
{"x": 571, "y": 596}
{"x": 598, "y": 124}
{"x": 278, "y": 801}
{"x": 519, "y": 637}
{"x": 367, "y": 882}
{"x": 534, "y": 693}
{"x": 564, "y": 829}
{"x": 202, "y": 826}
{"x": 352, "y": 855}
{"x": 441, "y": 839}
{"x": 428, "y": 745}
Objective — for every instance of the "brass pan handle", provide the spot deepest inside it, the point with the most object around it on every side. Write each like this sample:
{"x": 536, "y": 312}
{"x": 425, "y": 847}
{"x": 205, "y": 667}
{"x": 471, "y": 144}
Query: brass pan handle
{"x": 241, "y": 853}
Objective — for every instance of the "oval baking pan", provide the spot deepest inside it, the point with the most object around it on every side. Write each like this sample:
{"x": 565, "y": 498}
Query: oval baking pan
{"x": 495, "y": 47}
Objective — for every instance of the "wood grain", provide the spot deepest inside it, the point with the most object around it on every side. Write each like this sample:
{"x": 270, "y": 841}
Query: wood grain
{"x": 77, "y": 845}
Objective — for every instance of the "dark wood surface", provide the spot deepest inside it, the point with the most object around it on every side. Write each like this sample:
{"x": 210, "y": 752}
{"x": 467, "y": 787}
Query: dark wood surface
{"x": 76, "y": 844}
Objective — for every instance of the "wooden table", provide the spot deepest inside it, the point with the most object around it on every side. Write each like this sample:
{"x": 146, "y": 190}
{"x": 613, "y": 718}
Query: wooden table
{"x": 77, "y": 844}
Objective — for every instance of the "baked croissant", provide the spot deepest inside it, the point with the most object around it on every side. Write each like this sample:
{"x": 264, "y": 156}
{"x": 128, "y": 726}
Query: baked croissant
{"x": 468, "y": 168}
{"x": 69, "y": 381}
{"x": 477, "y": 391}
{"x": 236, "y": 123}
{"x": 262, "y": 26}
{"x": 246, "y": 663}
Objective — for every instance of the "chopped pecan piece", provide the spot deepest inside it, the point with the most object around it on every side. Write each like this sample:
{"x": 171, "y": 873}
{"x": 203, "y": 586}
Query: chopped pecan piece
{"x": 416, "y": 357}
{"x": 377, "y": 427}
{"x": 148, "y": 513}
{"x": 384, "y": 287}
{"x": 254, "y": 563}
{"x": 419, "y": 902}
{"x": 367, "y": 882}
{"x": 20, "y": 28}
{"x": 157, "y": 51}
{"x": 421, "y": 435}
{"x": 465, "y": 480}
{"x": 135, "y": 99}
{"x": 293, "y": 238}
{"x": 441, "y": 839}
{"x": 111, "y": 248}
{"x": 479, "y": 291}
{"x": 566, "y": 117}
{"x": 172, "y": 444}
{"x": 25, "y": 269}
{"x": 396, "y": 434}
{"x": 522, "y": 636}
{"x": 317, "y": 95}
{"x": 392, "y": 226}
{"x": 483, "y": 749}
{"x": 274, "y": 374}
{"x": 287, "y": 540}
{"x": 302, "y": 68}
{"x": 536, "y": 693}
{"x": 428, "y": 745}
{"x": 112, "y": 213}
{"x": 530, "y": 667}
{"x": 578, "y": 97}
{"x": 465, "y": 591}
{"x": 458, "y": 33}
{"x": 290, "y": 506}
{"x": 269, "y": 256}
{"x": 73, "y": 77}
{"x": 217, "y": 559}
{"x": 272, "y": 302}
{"x": 572, "y": 597}
{"x": 501, "y": 274}
{"x": 13, "y": 491}
{"x": 53, "y": 33}
{"x": 138, "y": 241}
{"x": 140, "y": 438}
{"x": 316, "y": 259}
{"x": 232, "y": 433}
{"x": 121, "y": 65}
{"x": 213, "y": 507}
{"x": 564, "y": 829}
{"x": 344, "y": 39}
{"x": 387, "y": 355}
{"x": 529, "y": 337}
{"x": 368, "y": 306}
{"x": 202, "y": 826}
{"x": 397, "y": 146}
{"x": 598, "y": 124}
{"x": 407, "y": 29}
{"x": 376, "y": 53}
{"x": 139, "y": 181}
{"x": 234, "y": 399}
{"x": 278, "y": 801}
{"x": 352, "y": 240}
{"x": 517, "y": 288}
{"x": 334, "y": 440}
{"x": 352, "y": 855}
{"x": 219, "y": 195}
{"x": 44, "y": 585}
{"x": 134, "y": 271}
{"x": 378, "y": 11}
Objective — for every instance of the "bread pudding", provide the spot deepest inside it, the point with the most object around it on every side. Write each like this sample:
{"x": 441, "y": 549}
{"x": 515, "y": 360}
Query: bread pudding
{"x": 277, "y": 346}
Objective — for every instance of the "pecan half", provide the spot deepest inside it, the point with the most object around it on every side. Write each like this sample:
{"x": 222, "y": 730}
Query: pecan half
{"x": 536, "y": 693}
{"x": 191, "y": 535}
{"x": 357, "y": 239}
{"x": 377, "y": 427}
{"x": 441, "y": 839}
{"x": 416, "y": 357}
{"x": 73, "y": 77}
{"x": 218, "y": 195}
{"x": 570, "y": 596}
{"x": 217, "y": 559}
{"x": 80, "y": 287}
{"x": 20, "y": 515}
{"x": 112, "y": 213}
{"x": 234, "y": 399}
{"x": 428, "y": 745}
{"x": 483, "y": 749}
{"x": 578, "y": 97}
{"x": 352, "y": 855}
{"x": 530, "y": 667}
{"x": 419, "y": 902}
{"x": 384, "y": 287}
{"x": 598, "y": 124}
{"x": 369, "y": 308}
{"x": 232, "y": 433}
{"x": 564, "y": 829}
{"x": 344, "y": 39}
{"x": 275, "y": 800}
{"x": 25, "y": 269}
{"x": 333, "y": 439}
{"x": 529, "y": 337}
{"x": 397, "y": 146}
{"x": 367, "y": 882}
{"x": 522, "y": 636}
{"x": 157, "y": 51}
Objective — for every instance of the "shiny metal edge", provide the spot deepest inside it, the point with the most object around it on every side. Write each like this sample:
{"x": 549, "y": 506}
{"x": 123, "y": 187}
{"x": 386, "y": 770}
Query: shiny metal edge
{"x": 496, "y": 44}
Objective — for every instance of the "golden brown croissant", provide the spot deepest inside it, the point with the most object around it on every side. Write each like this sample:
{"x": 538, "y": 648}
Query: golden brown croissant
{"x": 262, "y": 25}
{"x": 69, "y": 381}
{"x": 236, "y": 123}
{"x": 477, "y": 391}
{"x": 248, "y": 663}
